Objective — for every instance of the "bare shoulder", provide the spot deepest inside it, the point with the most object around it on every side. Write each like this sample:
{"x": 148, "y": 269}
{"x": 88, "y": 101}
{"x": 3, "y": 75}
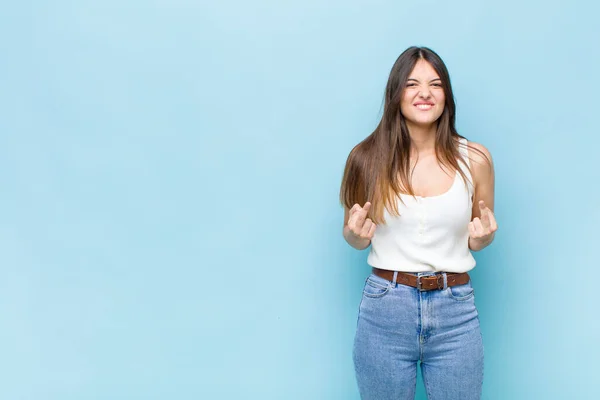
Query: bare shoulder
{"x": 482, "y": 157}
{"x": 482, "y": 165}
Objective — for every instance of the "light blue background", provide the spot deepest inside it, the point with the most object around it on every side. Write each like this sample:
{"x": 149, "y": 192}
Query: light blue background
{"x": 169, "y": 175}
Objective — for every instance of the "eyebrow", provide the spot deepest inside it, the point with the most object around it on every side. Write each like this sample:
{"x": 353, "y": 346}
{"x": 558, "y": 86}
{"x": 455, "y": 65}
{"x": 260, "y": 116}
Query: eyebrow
{"x": 416, "y": 80}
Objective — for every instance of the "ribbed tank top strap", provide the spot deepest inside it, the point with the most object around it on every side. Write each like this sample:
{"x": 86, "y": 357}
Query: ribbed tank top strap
{"x": 464, "y": 152}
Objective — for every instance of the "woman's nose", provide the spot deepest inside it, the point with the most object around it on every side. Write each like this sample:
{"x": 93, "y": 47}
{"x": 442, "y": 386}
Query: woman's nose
{"x": 424, "y": 93}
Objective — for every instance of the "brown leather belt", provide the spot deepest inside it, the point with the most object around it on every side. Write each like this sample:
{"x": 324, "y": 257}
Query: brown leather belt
{"x": 423, "y": 283}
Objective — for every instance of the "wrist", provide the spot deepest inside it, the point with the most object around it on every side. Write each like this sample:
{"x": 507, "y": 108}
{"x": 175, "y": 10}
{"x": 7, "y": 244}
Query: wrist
{"x": 477, "y": 244}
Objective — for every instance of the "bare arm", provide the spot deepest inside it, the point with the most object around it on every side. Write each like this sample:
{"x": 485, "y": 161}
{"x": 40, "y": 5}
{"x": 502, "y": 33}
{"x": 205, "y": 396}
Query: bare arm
{"x": 483, "y": 224}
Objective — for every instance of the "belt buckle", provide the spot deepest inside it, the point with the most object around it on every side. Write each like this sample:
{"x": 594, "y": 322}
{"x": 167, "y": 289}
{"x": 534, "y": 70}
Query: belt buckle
{"x": 440, "y": 282}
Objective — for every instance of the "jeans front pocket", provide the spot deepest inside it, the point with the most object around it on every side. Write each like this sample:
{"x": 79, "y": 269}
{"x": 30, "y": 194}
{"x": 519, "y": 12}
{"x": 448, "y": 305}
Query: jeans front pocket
{"x": 375, "y": 287}
{"x": 461, "y": 292}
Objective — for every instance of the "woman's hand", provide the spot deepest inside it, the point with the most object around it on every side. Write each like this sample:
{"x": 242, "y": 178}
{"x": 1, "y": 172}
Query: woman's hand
{"x": 481, "y": 230}
{"x": 359, "y": 225}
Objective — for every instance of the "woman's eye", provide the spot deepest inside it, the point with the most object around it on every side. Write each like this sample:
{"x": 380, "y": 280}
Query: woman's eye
{"x": 411, "y": 84}
{"x": 437, "y": 84}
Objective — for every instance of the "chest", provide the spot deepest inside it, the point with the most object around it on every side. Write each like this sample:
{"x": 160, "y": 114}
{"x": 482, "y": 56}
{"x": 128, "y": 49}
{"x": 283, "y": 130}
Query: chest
{"x": 429, "y": 178}
{"x": 430, "y": 219}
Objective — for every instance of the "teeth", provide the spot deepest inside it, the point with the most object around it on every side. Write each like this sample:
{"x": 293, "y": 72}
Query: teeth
{"x": 424, "y": 106}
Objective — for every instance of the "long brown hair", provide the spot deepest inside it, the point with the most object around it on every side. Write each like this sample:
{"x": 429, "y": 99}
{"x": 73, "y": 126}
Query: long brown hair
{"x": 374, "y": 165}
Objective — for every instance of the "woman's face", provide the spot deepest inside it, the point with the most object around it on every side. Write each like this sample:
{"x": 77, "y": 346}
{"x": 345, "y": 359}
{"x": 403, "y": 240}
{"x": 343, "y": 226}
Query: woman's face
{"x": 423, "y": 98}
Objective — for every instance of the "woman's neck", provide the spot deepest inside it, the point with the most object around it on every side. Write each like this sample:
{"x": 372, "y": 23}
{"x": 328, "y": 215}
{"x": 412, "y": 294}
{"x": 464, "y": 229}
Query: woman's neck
{"x": 423, "y": 138}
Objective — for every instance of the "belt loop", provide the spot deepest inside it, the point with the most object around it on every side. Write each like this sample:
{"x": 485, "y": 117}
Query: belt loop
{"x": 395, "y": 279}
{"x": 445, "y": 280}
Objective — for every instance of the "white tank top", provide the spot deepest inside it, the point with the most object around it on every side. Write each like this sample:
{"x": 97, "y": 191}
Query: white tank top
{"x": 431, "y": 234}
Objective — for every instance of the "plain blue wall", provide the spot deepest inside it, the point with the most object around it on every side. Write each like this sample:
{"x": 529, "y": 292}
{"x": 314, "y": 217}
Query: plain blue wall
{"x": 169, "y": 173}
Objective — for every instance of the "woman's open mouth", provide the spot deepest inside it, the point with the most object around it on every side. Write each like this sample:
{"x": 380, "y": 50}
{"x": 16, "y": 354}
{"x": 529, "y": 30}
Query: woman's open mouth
{"x": 424, "y": 107}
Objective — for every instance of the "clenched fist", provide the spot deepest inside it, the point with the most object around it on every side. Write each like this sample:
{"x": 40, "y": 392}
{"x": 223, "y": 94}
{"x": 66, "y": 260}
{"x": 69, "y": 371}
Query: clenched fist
{"x": 358, "y": 223}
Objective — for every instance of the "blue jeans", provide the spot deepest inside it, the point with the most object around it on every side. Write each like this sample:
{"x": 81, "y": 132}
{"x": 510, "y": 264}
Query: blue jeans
{"x": 398, "y": 326}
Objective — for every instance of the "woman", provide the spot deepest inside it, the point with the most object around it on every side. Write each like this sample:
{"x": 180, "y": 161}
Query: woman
{"x": 422, "y": 197}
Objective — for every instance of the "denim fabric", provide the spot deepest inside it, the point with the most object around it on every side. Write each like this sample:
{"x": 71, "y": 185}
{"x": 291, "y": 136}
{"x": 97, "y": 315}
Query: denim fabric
{"x": 398, "y": 326}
